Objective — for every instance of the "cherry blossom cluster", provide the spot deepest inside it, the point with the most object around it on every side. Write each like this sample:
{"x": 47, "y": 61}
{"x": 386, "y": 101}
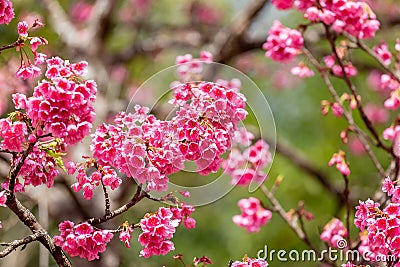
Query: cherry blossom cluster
{"x": 39, "y": 167}
{"x": 138, "y": 145}
{"x": 249, "y": 262}
{"x": 283, "y": 44}
{"x": 160, "y": 227}
{"x": 189, "y": 67}
{"x": 247, "y": 166}
{"x": 382, "y": 224}
{"x": 13, "y": 134}
{"x": 82, "y": 240}
{"x": 63, "y": 104}
{"x": 349, "y": 69}
{"x": 341, "y": 164}
{"x": 302, "y": 71}
{"x": 6, "y": 11}
{"x": 386, "y": 82}
{"x": 104, "y": 175}
{"x": 334, "y": 231}
{"x": 353, "y": 17}
{"x": 29, "y": 68}
{"x": 149, "y": 149}
{"x": 253, "y": 215}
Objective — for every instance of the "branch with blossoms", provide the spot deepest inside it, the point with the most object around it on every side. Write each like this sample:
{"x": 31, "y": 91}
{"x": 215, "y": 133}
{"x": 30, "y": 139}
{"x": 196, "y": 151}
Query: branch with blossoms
{"x": 345, "y": 24}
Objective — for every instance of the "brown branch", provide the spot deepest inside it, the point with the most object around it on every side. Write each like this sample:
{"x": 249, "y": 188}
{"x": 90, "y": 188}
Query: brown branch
{"x": 13, "y": 45}
{"x": 106, "y": 198}
{"x": 139, "y": 195}
{"x": 14, "y": 171}
{"x": 227, "y": 41}
{"x": 11, "y": 246}
{"x": 26, "y": 216}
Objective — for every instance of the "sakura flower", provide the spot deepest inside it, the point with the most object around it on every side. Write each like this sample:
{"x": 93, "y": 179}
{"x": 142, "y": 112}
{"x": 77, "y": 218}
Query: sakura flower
{"x": 23, "y": 28}
{"x": 283, "y": 4}
{"x": 302, "y": 71}
{"x": 82, "y": 240}
{"x": 253, "y": 215}
{"x": 383, "y": 53}
{"x": 6, "y": 11}
{"x": 334, "y": 231}
{"x": 283, "y": 44}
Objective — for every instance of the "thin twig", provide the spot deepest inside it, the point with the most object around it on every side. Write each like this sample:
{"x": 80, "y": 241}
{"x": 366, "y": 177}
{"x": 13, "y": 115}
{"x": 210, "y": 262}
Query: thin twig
{"x": 15, "y": 44}
{"x": 353, "y": 91}
{"x": 346, "y": 114}
{"x": 346, "y": 193}
{"x": 139, "y": 195}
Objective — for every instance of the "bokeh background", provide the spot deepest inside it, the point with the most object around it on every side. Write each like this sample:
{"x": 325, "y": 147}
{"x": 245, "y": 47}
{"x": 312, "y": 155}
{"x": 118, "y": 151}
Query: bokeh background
{"x": 125, "y": 43}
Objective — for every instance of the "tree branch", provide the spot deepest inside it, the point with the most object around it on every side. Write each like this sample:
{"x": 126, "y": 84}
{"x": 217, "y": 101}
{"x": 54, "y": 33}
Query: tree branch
{"x": 139, "y": 195}
{"x": 17, "y": 243}
{"x": 26, "y": 216}
{"x": 226, "y": 42}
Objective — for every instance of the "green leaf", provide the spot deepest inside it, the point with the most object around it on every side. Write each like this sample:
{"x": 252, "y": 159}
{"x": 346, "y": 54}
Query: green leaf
{"x": 60, "y": 163}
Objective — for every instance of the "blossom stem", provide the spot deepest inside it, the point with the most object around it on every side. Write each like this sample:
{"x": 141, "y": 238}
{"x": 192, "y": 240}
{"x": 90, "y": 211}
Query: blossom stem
{"x": 353, "y": 90}
{"x": 362, "y": 136}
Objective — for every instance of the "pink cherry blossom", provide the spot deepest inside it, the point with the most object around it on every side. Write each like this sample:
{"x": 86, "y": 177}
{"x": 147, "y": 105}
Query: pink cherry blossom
{"x": 6, "y": 11}
{"x": 38, "y": 168}
{"x": 82, "y": 240}
{"x": 13, "y": 135}
{"x": 28, "y": 71}
{"x": 253, "y": 215}
{"x": 62, "y": 105}
{"x": 333, "y": 232}
{"x": 337, "y": 109}
{"x": 382, "y": 51}
{"x": 283, "y": 44}
{"x": 376, "y": 114}
{"x": 302, "y": 71}
{"x": 340, "y": 160}
{"x": 283, "y": 4}
{"x": 382, "y": 224}
{"x": 159, "y": 228}
{"x": 126, "y": 235}
{"x": 23, "y": 28}
{"x": 397, "y": 45}
{"x": 388, "y": 83}
{"x": 3, "y": 198}
{"x": 104, "y": 175}
{"x": 36, "y": 41}
{"x": 246, "y": 166}
{"x": 249, "y": 262}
